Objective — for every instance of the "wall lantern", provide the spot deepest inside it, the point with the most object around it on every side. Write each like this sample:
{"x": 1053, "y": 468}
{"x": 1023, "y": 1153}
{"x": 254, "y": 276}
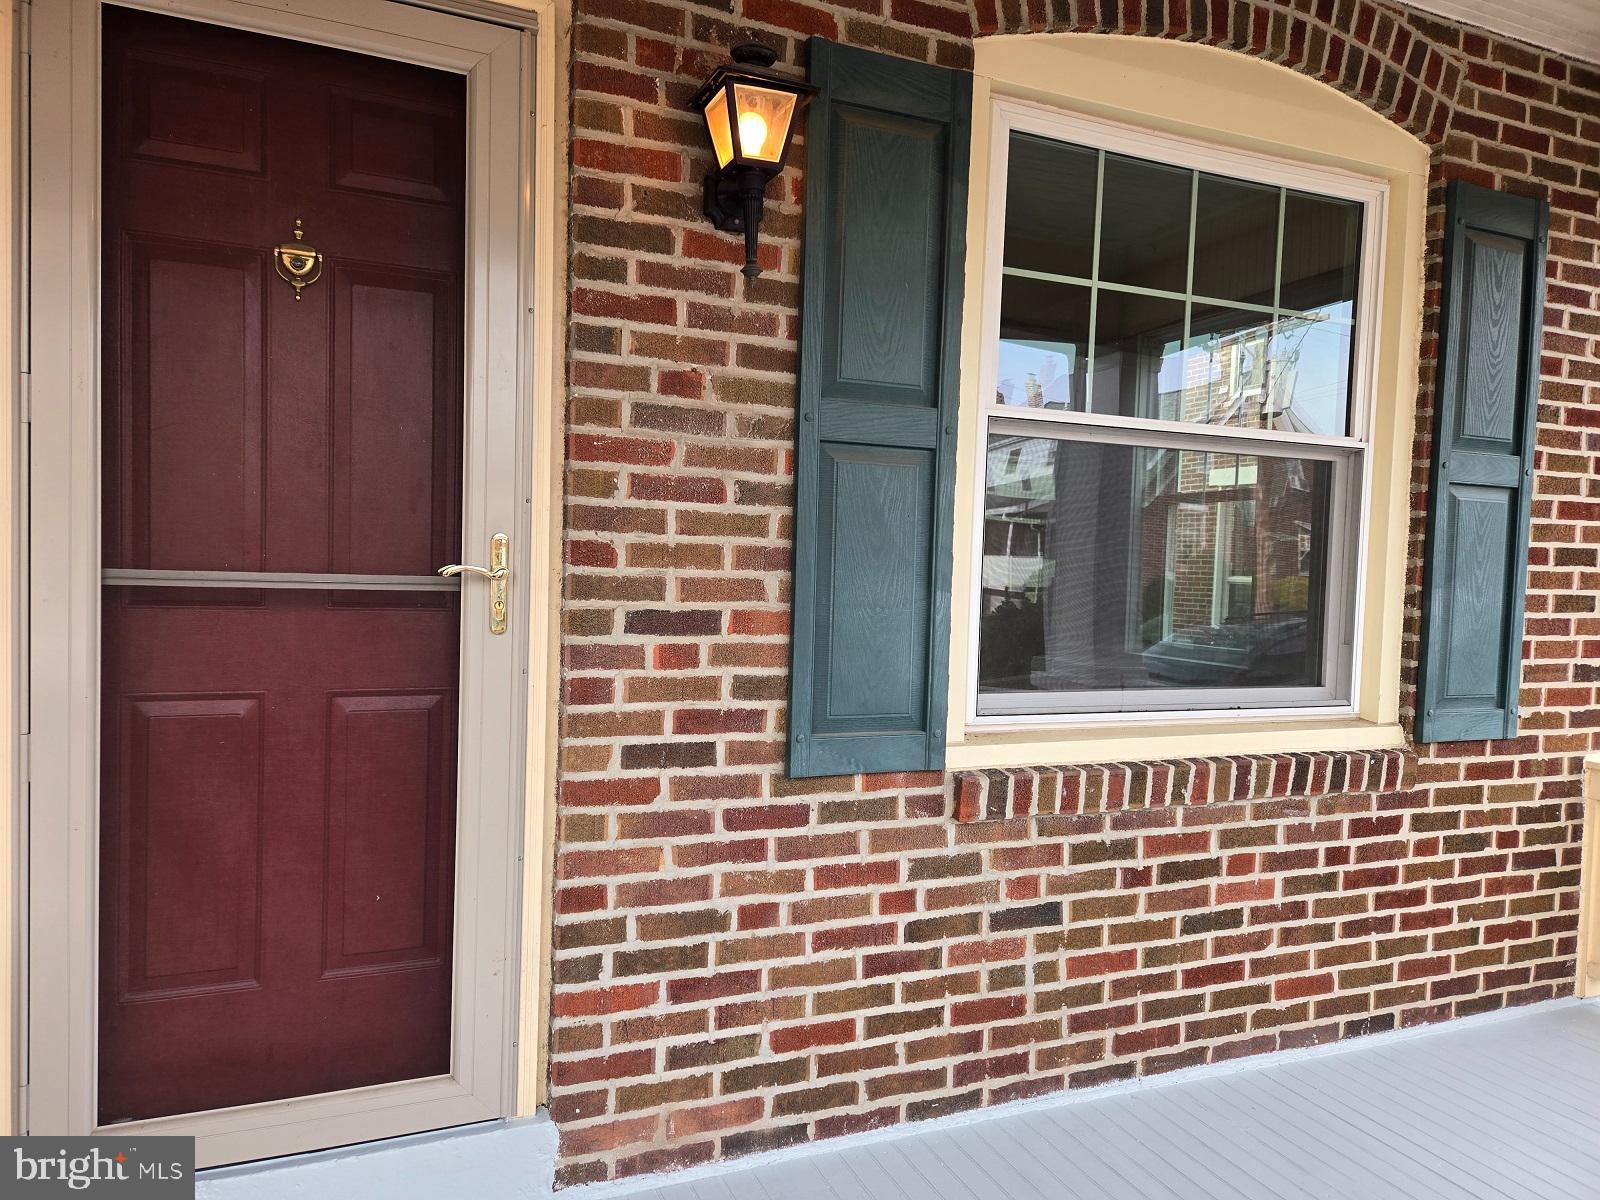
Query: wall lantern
{"x": 749, "y": 110}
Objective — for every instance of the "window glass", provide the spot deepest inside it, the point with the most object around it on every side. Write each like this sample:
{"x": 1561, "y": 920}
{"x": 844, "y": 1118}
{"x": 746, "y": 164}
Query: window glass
{"x": 1310, "y": 371}
{"x": 1241, "y": 316}
{"x": 1044, "y": 342}
{"x": 1150, "y": 569}
{"x": 1321, "y": 251}
{"x": 1225, "y": 372}
{"x": 1144, "y": 224}
{"x": 1235, "y": 240}
{"x": 1050, "y": 227}
{"x": 1138, "y": 355}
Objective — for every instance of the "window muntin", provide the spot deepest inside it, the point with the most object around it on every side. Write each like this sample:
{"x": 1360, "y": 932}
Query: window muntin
{"x": 1198, "y": 260}
{"x": 1214, "y": 318}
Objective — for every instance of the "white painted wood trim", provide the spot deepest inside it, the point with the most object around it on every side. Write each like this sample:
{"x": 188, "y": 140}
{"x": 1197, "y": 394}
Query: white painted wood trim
{"x": 545, "y": 254}
{"x": 1588, "y": 982}
{"x": 497, "y": 57}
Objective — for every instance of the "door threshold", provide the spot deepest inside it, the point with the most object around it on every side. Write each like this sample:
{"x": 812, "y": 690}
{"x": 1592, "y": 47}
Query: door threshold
{"x": 493, "y": 1160}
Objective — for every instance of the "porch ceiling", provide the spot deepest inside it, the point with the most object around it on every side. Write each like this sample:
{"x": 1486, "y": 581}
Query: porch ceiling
{"x": 1565, "y": 26}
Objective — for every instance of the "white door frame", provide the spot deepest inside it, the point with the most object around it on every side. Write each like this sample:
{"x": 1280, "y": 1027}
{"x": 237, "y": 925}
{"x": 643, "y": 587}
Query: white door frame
{"x": 61, "y": 813}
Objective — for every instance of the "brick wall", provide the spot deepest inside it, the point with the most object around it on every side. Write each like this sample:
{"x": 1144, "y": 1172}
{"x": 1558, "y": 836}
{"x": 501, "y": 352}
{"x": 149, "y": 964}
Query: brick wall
{"x": 744, "y": 961}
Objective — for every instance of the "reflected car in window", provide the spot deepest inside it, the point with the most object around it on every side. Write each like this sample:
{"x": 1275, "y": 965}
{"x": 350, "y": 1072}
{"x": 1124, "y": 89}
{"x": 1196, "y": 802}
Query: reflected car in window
{"x": 1266, "y": 650}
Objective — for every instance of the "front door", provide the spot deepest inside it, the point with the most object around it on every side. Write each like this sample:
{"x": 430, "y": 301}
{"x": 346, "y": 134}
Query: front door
{"x": 282, "y": 475}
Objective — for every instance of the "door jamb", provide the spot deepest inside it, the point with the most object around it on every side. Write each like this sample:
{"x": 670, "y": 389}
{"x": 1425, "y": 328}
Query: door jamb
{"x": 540, "y": 272}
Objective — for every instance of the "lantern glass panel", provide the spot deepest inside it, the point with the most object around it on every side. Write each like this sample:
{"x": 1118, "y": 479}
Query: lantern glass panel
{"x": 716, "y": 114}
{"x": 764, "y": 118}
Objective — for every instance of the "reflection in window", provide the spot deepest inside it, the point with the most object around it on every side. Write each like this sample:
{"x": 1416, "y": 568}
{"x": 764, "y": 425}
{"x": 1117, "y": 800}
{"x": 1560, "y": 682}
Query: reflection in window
{"x": 1044, "y": 344}
{"x": 1142, "y": 289}
{"x": 1111, "y": 567}
{"x": 1175, "y": 352}
{"x": 1050, "y": 226}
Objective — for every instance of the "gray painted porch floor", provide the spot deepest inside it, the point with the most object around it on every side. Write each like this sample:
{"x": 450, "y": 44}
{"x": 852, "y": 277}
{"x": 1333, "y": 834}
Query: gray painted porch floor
{"x": 1506, "y": 1108}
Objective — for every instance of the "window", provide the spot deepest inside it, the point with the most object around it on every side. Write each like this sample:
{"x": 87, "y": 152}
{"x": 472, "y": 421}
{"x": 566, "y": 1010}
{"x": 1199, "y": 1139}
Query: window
{"x": 1175, "y": 429}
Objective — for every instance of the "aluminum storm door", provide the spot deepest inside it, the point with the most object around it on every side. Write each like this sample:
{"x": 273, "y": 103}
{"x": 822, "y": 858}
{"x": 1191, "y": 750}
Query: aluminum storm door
{"x": 282, "y": 449}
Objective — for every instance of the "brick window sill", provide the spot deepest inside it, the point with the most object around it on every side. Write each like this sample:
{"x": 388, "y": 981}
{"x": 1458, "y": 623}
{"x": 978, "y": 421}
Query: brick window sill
{"x": 1076, "y": 790}
{"x": 986, "y": 748}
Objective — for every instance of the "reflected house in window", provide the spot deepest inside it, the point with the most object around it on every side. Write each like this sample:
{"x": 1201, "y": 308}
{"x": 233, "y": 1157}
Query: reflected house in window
{"x": 1014, "y": 571}
{"x": 1226, "y": 577}
{"x": 1202, "y": 575}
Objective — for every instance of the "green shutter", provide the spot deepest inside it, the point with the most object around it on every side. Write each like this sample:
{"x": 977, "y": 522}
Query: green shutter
{"x": 1475, "y": 572}
{"x": 885, "y": 224}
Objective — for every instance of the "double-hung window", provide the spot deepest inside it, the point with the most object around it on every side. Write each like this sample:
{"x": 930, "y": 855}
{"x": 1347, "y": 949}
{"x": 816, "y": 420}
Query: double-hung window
{"x": 1176, "y": 414}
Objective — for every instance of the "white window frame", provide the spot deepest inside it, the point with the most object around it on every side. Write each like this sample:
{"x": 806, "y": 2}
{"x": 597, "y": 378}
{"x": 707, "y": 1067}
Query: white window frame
{"x": 1349, "y": 504}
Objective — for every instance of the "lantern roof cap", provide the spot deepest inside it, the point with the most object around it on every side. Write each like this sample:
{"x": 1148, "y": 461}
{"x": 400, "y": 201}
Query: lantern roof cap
{"x": 752, "y": 62}
{"x": 754, "y": 54}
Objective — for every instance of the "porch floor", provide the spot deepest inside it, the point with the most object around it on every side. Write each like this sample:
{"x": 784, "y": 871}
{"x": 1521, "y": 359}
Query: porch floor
{"x": 1503, "y": 1108}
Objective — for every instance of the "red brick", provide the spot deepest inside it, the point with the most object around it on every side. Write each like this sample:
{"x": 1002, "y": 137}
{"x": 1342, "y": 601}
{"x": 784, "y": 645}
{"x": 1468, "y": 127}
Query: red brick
{"x": 1302, "y": 897}
{"x": 619, "y": 159}
{"x": 604, "y": 1001}
{"x": 712, "y": 987}
{"x": 808, "y": 19}
{"x": 1111, "y": 962}
{"x": 589, "y": 792}
{"x": 987, "y": 1010}
{"x": 592, "y": 447}
{"x": 856, "y": 875}
{"x": 684, "y": 1122}
{"x": 805, "y": 1037}
{"x": 626, "y": 1064}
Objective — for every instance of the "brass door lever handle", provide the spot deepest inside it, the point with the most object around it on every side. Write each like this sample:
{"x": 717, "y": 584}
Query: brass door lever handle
{"x": 497, "y": 572}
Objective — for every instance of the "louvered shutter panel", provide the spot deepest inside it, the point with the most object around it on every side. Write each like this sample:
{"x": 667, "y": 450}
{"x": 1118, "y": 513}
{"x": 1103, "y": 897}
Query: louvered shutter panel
{"x": 1475, "y": 569}
{"x": 887, "y": 144}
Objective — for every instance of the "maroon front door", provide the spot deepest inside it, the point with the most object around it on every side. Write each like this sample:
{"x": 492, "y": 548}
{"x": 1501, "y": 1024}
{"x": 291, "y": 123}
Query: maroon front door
{"x": 281, "y": 476}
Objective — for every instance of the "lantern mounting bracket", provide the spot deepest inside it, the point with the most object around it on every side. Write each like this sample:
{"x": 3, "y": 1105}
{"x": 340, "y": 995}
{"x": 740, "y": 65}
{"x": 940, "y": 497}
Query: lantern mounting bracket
{"x": 724, "y": 205}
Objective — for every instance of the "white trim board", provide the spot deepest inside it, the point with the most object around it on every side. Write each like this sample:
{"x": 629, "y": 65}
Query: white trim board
{"x": 496, "y": 1160}
{"x": 1570, "y": 27}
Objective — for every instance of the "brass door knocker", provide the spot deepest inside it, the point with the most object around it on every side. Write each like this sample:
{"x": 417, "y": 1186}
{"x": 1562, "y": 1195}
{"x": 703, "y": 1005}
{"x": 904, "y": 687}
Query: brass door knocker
{"x": 299, "y": 264}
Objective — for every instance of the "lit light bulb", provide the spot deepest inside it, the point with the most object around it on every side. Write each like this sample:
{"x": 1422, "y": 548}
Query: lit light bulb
{"x": 752, "y": 133}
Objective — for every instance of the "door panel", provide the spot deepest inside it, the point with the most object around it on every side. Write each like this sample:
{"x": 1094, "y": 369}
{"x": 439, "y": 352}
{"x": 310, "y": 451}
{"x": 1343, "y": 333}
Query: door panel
{"x": 189, "y": 823}
{"x": 276, "y": 856}
{"x": 184, "y": 509}
{"x": 395, "y": 448}
{"x": 206, "y": 114}
{"x": 392, "y": 147}
{"x": 387, "y": 830}
{"x": 278, "y": 765}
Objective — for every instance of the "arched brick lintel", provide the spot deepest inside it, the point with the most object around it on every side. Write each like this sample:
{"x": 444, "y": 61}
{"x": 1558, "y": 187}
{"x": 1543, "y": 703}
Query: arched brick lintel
{"x": 1378, "y": 55}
